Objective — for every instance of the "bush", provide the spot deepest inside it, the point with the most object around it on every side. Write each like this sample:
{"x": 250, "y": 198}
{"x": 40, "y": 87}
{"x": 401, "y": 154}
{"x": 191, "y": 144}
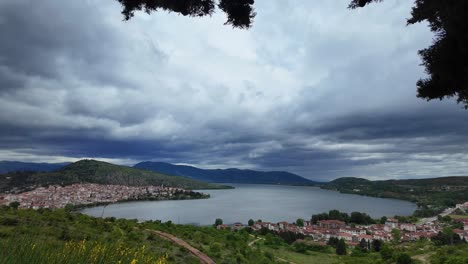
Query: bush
{"x": 404, "y": 259}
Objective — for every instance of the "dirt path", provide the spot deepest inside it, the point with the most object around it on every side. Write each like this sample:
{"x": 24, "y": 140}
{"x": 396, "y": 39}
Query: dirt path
{"x": 204, "y": 259}
{"x": 424, "y": 258}
{"x": 255, "y": 241}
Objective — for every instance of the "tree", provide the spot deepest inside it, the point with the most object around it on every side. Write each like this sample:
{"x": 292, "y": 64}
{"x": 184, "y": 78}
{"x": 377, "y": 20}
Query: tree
{"x": 396, "y": 235}
{"x": 218, "y": 222}
{"x": 251, "y": 222}
{"x": 376, "y": 245}
{"x": 14, "y": 205}
{"x": 239, "y": 13}
{"x": 300, "y": 222}
{"x": 69, "y": 207}
{"x": 341, "y": 247}
{"x": 333, "y": 241}
{"x": 404, "y": 259}
{"x": 386, "y": 252}
{"x": 446, "y": 60}
{"x": 363, "y": 245}
{"x": 383, "y": 219}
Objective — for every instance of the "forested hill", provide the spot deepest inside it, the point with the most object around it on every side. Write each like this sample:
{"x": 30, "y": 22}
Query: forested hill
{"x": 433, "y": 193}
{"x": 91, "y": 171}
{"x": 226, "y": 175}
{"x": 10, "y": 166}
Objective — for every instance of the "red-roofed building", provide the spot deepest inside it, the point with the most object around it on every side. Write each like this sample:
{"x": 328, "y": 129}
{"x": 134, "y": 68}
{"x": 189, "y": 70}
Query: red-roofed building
{"x": 331, "y": 224}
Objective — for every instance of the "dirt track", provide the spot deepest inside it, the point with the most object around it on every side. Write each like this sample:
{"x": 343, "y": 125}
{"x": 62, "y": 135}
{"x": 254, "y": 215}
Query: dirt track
{"x": 204, "y": 259}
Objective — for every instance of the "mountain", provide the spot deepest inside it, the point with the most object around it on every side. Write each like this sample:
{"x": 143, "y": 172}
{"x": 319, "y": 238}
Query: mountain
{"x": 92, "y": 171}
{"x": 9, "y": 166}
{"x": 226, "y": 175}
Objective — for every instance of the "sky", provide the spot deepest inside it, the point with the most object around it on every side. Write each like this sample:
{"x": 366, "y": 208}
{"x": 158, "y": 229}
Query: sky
{"x": 312, "y": 88}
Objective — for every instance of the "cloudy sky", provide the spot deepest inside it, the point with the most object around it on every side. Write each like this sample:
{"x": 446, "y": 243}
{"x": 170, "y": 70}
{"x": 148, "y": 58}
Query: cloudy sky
{"x": 312, "y": 88}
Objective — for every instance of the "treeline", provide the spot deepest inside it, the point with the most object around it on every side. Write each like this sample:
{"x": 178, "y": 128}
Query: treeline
{"x": 357, "y": 218}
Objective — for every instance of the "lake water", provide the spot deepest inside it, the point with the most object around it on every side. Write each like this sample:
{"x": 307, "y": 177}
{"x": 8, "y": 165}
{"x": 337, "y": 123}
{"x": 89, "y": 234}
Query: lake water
{"x": 273, "y": 203}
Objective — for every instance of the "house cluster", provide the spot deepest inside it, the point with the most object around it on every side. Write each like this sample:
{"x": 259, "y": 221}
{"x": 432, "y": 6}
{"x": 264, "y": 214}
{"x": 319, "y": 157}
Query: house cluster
{"x": 326, "y": 229}
{"x": 463, "y": 207}
{"x": 56, "y": 196}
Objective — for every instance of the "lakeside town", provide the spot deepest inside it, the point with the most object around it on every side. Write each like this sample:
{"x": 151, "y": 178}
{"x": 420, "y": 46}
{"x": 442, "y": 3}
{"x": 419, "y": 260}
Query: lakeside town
{"x": 56, "y": 196}
{"x": 323, "y": 230}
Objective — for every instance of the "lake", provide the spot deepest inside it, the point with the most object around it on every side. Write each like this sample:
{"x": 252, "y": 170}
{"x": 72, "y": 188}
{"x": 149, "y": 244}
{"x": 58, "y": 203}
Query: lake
{"x": 273, "y": 203}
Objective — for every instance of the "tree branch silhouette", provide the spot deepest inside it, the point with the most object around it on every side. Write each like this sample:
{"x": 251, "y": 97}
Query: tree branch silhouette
{"x": 445, "y": 61}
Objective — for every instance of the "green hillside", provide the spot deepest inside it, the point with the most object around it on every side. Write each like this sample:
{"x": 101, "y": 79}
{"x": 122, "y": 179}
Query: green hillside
{"x": 432, "y": 195}
{"x": 92, "y": 171}
{"x": 60, "y": 236}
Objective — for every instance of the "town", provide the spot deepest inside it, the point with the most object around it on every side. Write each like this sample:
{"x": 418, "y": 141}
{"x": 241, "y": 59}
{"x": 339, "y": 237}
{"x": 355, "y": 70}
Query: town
{"x": 323, "y": 230}
{"x": 55, "y": 196}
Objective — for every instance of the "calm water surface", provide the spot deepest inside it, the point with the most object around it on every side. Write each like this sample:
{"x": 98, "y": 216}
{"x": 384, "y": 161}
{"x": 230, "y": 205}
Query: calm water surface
{"x": 271, "y": 203}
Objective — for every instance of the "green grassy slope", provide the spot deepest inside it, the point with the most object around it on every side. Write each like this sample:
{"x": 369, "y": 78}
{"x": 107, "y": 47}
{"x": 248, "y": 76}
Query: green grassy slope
{"x": 91, "y": 171}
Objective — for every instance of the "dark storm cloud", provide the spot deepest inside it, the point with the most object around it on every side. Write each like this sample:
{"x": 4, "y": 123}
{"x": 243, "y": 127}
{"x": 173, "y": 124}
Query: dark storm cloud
{"x": 323, "y": 100}
{"x": 54, "y": 39}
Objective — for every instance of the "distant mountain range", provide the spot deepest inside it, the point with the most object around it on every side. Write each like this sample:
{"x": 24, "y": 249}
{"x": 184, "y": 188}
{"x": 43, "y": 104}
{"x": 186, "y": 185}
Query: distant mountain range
{"x": 92, "y": 171}
{"x": 226, "y": 175}
{"x": 9, "y": 166}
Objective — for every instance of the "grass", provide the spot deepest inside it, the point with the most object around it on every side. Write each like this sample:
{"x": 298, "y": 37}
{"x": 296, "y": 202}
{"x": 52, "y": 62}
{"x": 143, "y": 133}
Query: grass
{"x": 46, "y": 236}
{"x": 30, "y": 250}
{"x": 458, "y": 216}
{"x": 299, "y": 258}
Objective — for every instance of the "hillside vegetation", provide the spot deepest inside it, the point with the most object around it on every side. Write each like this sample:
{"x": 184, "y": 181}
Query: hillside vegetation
{"x": 226, "y": 175}
{"x": 91, "y": 171}
{"x": 60, "y": 236}
{"x": 432, "y": 195}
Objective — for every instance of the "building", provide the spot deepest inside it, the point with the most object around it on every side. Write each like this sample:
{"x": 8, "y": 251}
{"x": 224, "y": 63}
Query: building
{"x": 391, "y": 224}
{"x": 331, "y": 224}
{"x": 408, "y": 227}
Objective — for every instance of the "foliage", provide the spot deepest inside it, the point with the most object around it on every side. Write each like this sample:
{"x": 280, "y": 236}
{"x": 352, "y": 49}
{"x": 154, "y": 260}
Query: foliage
{"x": 386, "y": 252}
{"x": 431, "y": 195}
{"x": 396, "y": 235}
{"x": 14, "y": 205}
{"x": 363, "y": 245}
{"x": 239, "y": 12}
{"x": 355, "y": 218}
{"x": 30, "y": 250}
{"x": 251, "y": 222}
{"x": 333, "y": 241}
{"x": 447, "y": 237}
{"x": 341, "y": 247}
{"x": 46, "y": 236}
{"x": 223, "y": 246}
{"x": 404, "y": 259}
{"x": 376, "y": 245}
{"x": 218, "y": 222}
{"x": 451, "y": 255}
{"x": 446, "y": 59}
{"x": 290, "y": 237}
{"x": 300, "y": 222}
